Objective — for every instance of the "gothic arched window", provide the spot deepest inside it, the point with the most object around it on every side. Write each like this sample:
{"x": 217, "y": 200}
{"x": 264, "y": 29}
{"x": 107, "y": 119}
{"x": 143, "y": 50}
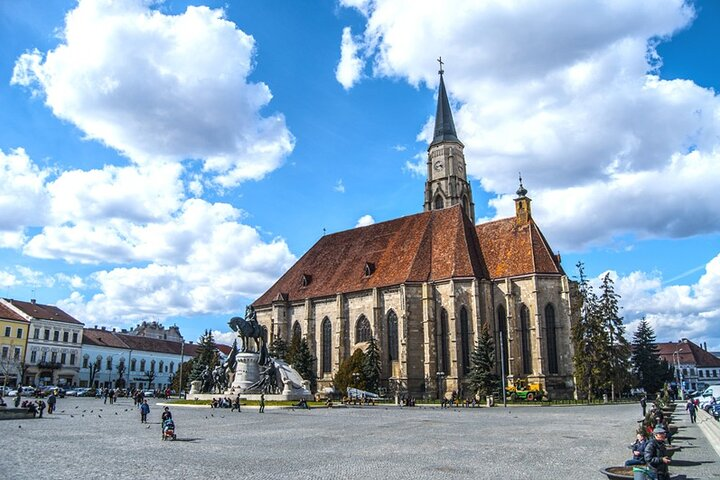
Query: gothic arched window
{"x": 551, "y": 339}
{"x": 152, "y": 365}
{"x": 363, "y": 332}
{"x": 142, "y": 365}
{"x": 465, "y": 203}
{"x": 392, "y": 336}
{"x": 161, "y": 366}
{"x": 443, "y": 337}
{"x": 326, "y": 341}
{"x": 502, "y": 336}
{"x": 296, "y": 332}
{"x": 465, "y": 339}
{"x": 133, "y": 364}
{"x": 525, "y": 339}
{"x": 172, "y": 367}
{"x": 439, "y": 203}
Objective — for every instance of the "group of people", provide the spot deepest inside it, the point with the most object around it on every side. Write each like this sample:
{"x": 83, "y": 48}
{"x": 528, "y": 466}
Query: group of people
{"x": 226, "y": 402}
{"x": 37, "y": 407}
{"x": 649, "y": 450}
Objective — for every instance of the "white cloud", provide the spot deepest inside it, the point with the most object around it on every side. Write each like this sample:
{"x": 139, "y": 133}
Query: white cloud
{"x": 418, "y": 165}
{"x": 674, "y": 311}
{"x": 226, "y": 338}
{"x": 167, "y": 87}
{"x": 364, "y": 221}
{"x": 7, "y": 279}
{"x": 23, "y": 198}
{"x": 568, "y": 94}
{"x": 349, "y": 70}
{"x": 339, "y": 187}
{"x": 399, "y": 148}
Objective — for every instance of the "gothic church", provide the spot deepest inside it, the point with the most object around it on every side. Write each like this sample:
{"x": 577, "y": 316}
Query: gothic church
{"x": 423, "y": 284}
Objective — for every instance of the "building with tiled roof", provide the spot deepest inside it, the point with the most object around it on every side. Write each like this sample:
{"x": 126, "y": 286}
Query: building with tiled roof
{"x": 423, "y": 285}
{"x": 694, "y": 366}
{"x": 112, "y": 358}
{"x": 13, "y": 345}
{"x": 52, "y": 356}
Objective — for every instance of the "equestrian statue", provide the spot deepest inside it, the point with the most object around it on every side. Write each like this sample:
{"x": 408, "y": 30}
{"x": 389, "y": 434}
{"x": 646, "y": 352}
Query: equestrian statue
{"x": 249, "y": 328}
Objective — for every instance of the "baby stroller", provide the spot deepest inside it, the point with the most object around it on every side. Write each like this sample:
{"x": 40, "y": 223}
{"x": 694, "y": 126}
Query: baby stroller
{"x": 168, "y": 429}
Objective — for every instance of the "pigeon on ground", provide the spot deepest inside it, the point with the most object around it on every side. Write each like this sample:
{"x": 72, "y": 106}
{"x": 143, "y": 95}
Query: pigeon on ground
{"x": 99, "y": 416}
{"x": 62, "y": 411}
{"x": 19, "y": 426}
{"x": 148, "y": 426}
{"x": 78, "y": 406}
{"x": 212, "y": 415}
{"x": 91, "y": 411}
{"x": 83, "y": 415}
{"x": 72, "y": 416}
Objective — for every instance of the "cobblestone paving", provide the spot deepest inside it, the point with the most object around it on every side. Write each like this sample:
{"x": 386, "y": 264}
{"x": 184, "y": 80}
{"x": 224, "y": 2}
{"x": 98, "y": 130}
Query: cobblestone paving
{"x": 87, "y": 439}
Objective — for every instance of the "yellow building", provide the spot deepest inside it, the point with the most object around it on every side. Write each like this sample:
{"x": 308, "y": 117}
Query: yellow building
{"x": 13, "y": 344}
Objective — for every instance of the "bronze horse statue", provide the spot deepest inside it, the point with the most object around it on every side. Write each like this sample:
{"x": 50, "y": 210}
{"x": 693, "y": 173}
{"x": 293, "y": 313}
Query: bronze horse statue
{"x": 249, "y": 327}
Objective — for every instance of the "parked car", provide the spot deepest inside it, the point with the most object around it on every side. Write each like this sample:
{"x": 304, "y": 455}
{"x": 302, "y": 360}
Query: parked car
{"x": 715, "y": 411}
{"x": 24, "y": 391}
{"x": 75, "y": 392}
{"x": 58, "y": 391}
{"x": 706, "y": 398}
{"x": 149, "y": 393}
{"x": 4, "y": 390}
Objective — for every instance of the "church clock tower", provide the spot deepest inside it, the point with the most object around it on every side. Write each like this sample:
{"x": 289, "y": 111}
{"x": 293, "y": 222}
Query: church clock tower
{"x": 447, "y": 183}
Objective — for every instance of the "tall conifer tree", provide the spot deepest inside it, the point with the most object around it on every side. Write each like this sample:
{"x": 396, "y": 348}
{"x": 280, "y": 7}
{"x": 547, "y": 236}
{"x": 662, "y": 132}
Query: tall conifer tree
{"x": 650, "y": 370}
{"x": 206, "y": 355}
{"x": 618, "y": 352}
{"x": 304, "y": 363}
{"x": 483, "y": 379}
{"x": 371, "y": 367}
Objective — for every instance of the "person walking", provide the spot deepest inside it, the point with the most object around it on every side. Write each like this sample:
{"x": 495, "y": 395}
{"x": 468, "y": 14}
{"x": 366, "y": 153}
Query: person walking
{"x": 692, "y": 410}
{"x": 262, "y": 403}
{"x": 17, "y": 397}
{"x": 144, "y": 410}
{"x": 40, "y": 407}
{"x": 643, "y": 404}
{"x": 236, "y": 404}
{"x": 656, "y": 456}
{"x": 52, "y": 399}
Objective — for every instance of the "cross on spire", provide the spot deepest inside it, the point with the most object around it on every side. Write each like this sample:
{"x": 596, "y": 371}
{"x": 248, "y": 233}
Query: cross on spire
{"x": 439, "y": 60}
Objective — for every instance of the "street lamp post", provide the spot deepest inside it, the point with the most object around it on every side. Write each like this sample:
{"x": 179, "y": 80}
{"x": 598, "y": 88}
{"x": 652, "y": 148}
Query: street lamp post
{"x": 440, "y": 376}
{"x": 182, "y": 357}
{"x": 678, "y": 374}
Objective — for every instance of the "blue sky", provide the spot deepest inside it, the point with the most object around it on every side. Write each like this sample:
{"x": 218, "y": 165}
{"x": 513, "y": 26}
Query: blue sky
{"x": 169, "y": 160}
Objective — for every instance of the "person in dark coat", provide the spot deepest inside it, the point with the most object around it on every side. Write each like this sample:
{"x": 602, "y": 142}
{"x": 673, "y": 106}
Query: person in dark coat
{"x": 52, "y": 399}
{"x": 638, "y": 450}
{"x": 692, "y": 410}
{"x": 643, "y": 404}
{"x": 262, "y": 403}
{"x": 144, "y": 410}
{"x": 655, "y": 454}
{"x": 17, "y": 397}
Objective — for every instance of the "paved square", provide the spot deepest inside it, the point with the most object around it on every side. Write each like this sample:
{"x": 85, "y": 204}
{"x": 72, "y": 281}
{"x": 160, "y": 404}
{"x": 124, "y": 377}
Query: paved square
{"x": 89, "y": 439}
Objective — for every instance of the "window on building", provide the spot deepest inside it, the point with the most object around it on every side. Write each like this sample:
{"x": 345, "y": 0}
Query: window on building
{"x": 66, "y": 337}
{"x": 692, "y": 371}
{"x": 75, "y": 337}
{"x": 700, "y": 373}
{"x": 132, "y": 365}
{"x": 326, "y": 341}
{"x": 525, "y": 339}
{"x": 161, "y": 366}
{"x": 142, "y": 365}
{"x": 152, "y": 365}
{"x": 43, "y": 357}
{"x": 392, "y": 336}
{"x": 98, "y": 363}
{"x": 443, "y": 347}
{"x": 56, "y": 336}
{"x": 172, "y": 367}
{"x": 296, "y": 332}
{"x": 502, "y": 336}
{"x": 108, "y": 363}
{"x": 63, "y": 357}
{"x": 19, "y": 333}
{"x": 7, "y": 331}
{"x": 85, "y": 361}
{"x": 33, "y": 356}
{"x": 362, "y": 329}
{"x": 714, "y": 373}
{"x": 72, "y": 359}
{"x": 53, "y": 357}
{"x": 439, "y": 202}
{"x": 465, "y": 339}
{"x": 551, "y": 339}
{"x": 18, "y": 352}
{"x": 47, "y": 334}
{"x": 36, "y": 335}
{"x": 5, "y": 352}
{"x": 685, "y": 372}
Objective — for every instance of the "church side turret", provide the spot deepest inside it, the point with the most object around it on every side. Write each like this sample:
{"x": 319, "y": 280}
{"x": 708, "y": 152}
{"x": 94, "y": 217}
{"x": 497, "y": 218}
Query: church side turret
{"x": 447, "y": 183}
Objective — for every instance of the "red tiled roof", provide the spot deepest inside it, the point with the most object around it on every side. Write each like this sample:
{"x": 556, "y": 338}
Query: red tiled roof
{"x": 107, "y": 338}
{"x": 44, "y": 312}
{"x": 688, "y": 354}
{"x": 102, "y": 338}
{"x": 509, "y": 249}
{"x": 9, "y": 314}
{"x": 433, "y": 245}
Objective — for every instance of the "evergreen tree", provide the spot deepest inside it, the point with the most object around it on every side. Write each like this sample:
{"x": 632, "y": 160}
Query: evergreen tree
{"x": 187, "y": 368}
{"x": 350, "y": 373}
{"x": 372, "y": 368}
{"x": 293, "y": 348}
{"x": 279, "y": 348}
{"x": 590, "y": 340}
{"x": 483, "y": 379}
{"x": 650, "y": 371}
{"x": 304, "y": 363}
{"x": 618, "y": 353}
{"x": 207, "y": 355}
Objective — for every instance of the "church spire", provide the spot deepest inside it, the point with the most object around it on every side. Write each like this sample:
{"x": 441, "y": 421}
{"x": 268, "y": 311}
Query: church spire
{"x": 444, "y": 125}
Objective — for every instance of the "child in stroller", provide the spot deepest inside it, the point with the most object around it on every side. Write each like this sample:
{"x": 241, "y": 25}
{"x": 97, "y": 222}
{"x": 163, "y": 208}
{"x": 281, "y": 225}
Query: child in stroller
{"x": 168, "y": 429}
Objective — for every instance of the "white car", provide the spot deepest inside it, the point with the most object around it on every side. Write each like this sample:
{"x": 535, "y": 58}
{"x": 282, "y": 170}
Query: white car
{"x": 24, "y": 391}
{"x": 149, "y": 393}
{"x": 705, "y": 398}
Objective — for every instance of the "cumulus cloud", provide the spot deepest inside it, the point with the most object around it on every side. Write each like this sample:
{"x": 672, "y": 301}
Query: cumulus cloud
{"x": 674, "y": 311}
{"x": 339, "y": 186}
{"x": 570, "y": 95}
{"x": 24, "y": 199}
{"x": 349, "y": 69}
{"x": 364, "y": 221}
{"x": 226, "y": 338}
{"x": 161, "y": 87}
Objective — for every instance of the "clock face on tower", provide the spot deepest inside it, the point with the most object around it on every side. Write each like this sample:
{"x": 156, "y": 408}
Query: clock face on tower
{"x": 438, "y": 165}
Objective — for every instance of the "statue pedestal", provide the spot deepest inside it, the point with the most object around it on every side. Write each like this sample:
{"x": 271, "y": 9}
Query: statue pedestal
{"x": 195, "y": 387}
{"x": 247, "y": 371}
